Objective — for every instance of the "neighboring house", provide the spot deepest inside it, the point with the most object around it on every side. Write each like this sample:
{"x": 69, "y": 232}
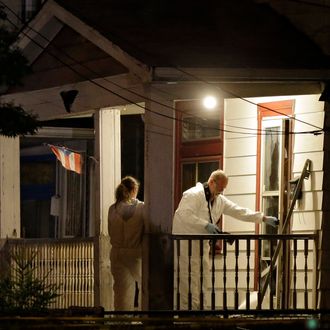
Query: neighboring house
{"x": 159, "y": 61}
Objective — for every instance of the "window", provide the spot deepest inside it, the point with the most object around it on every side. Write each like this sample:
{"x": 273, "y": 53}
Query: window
{"x": 196, "y": 172}
{"x": 199, "y": 145}
{"x": 198, "y": 128}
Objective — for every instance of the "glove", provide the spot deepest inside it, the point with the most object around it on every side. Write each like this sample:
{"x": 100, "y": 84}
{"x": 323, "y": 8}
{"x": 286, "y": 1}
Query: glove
{"x": 212, "y": 229}
{"x": 272, "y": 221}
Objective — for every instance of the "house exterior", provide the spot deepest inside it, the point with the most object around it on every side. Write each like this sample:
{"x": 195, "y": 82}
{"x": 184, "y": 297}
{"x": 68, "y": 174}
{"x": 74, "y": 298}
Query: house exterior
{"x": 159, "y": 62}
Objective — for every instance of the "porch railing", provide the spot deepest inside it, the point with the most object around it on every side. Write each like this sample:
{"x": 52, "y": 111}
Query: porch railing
{"x": 67, "y": 263}
{"x": 241, "y": 266}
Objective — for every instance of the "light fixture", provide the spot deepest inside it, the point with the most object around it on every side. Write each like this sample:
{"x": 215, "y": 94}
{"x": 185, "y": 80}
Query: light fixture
{"x": 68, "y": 97}
{"x": 210, "y": 102}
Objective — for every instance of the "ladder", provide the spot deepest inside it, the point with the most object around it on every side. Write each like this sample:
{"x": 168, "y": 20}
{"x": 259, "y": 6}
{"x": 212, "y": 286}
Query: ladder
{"x": 297, "y": 191}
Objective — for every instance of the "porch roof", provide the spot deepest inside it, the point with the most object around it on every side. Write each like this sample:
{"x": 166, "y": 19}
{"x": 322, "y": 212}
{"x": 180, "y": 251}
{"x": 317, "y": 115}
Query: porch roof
{"x": 211, "y": 33}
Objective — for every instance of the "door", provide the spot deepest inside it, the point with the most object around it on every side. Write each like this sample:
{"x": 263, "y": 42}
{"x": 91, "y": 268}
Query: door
{"x": 273, "y": 175}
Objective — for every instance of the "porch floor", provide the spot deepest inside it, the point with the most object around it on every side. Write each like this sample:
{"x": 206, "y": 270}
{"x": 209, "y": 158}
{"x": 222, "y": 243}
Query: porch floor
{"x": 291, "y": 322}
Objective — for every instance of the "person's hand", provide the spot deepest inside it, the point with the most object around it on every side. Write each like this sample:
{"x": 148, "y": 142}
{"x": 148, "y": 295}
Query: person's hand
{"x": 212, "y": 229}
{"x": 272, "y": 221}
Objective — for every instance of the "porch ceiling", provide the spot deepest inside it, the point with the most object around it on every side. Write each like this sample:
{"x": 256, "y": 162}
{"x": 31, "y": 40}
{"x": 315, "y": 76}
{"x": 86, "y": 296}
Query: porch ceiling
{"x": 68, "y": 59}
{"x": 212, "y": 33}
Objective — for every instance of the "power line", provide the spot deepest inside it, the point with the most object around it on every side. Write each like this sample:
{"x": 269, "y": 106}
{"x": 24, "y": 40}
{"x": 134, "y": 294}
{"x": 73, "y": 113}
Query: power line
{"x": 121, "y": 96}
{"x": 309, "y": 3}
{"x": 259, "y": 131}
{"x": 246, "y": 100}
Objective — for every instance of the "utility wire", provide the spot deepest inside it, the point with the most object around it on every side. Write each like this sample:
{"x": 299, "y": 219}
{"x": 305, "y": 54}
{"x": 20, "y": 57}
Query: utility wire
{"x": 309, "y": 3}
{"x": 146, "y": 98}
{"x": 123, "y": 97}
{"x": 152, "y": 100}
{"x": 319, "y": 129}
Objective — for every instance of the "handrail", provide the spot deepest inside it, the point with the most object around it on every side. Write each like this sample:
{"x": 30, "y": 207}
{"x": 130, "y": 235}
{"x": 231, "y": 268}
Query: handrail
{"x": 243, "y": 236}
{"x": 234, "y": 269}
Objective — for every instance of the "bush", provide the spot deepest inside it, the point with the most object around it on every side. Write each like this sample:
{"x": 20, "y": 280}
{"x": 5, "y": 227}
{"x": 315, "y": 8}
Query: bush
{"x": 23, "y": 290}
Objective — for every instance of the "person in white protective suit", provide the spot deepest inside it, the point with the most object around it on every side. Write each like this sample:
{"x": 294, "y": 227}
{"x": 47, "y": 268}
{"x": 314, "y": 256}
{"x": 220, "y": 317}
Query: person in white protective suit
{"x": 126, "y": 228}
{"x": 198, "y": 212}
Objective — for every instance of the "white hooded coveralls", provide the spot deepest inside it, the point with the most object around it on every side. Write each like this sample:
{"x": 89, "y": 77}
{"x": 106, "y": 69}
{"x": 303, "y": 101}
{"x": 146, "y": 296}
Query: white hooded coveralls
{"x": 126, "y": 226}
{"x": 191, "y": 217}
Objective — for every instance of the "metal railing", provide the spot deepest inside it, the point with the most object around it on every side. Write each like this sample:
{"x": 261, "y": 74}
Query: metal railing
{"x": 242, "y": 269}
{"x": 66, "y": 263}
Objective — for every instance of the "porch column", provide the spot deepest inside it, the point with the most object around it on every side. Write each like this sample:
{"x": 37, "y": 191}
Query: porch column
{"x": 107, "y": 174}
{"x": 323, "y": 285}
{"x": 157, "y": 265}
{"x": 9, "y": 188}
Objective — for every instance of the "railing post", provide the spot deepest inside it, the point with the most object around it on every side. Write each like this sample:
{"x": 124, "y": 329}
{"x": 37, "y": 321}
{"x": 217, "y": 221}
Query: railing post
{"x": 248, "y": 253}
{"x": 294, "y": 273}
{"x": 213, "y": 275}
{"x": 236, "y": 272}
{"x": 178, "y": 274}
{"x": 201, "y": 253}
{"x": 224, "y": 275}
{"x": 316, "y": 245}
{"x": 189, "y": 276}
{"x": 305, "y": 273}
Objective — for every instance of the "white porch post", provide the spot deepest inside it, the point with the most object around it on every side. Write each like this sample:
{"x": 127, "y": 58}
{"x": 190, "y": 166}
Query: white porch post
{"x": 107, "y": 174}
{"x": 157, "y": 264}
{"x": 9, "y": 187}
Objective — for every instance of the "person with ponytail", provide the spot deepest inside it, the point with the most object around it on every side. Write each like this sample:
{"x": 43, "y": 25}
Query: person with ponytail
{"x": 126, "y": 228}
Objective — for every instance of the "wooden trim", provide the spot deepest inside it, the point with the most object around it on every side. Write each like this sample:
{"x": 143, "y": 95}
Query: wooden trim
{"x": 281, "y": 108}
{"x": 194, "y": 151}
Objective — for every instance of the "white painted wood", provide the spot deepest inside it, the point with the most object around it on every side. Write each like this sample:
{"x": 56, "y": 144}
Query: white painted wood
{"x": 248, "y": 200}
{"x": 313, "y": 183}
{"x": 239, "y": 109}
{"x": 308, "y": 143}
{"x": 240, "y": 165}
{"x": 10, "y": 188}
{"x": 108, "y": 172}
{"x": 310, "y": 201}
{"x": 109, "y": 156}
{"x": 306, "y": 221}
{"x": 241, "y": 185}
{"x": 300, "y": 158}
{"x": 233, "y": 225}
{"x": 159, "y": 160}
{"x": 33, "y": 42}
{"x": 241, "y": 147}
{"x": 314, "y": 118}
{"x": 240, "y": 128}
{"x": 308, "y": 103}
{"x": 65, "y": 263}
{"x": 140, "y": 69}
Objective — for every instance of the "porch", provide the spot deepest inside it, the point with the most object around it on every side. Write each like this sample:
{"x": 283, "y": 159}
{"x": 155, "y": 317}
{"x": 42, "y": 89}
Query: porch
{"x": 245, "y": 279}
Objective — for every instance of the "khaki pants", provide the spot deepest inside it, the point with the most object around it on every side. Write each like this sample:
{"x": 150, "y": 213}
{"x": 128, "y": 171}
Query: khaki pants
{"x": 126, "y": 270}
{"x": 195, "y": 278}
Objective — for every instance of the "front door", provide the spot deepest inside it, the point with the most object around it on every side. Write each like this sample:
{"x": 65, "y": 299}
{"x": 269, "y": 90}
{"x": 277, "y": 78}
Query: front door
{"x": 273, "y": 175}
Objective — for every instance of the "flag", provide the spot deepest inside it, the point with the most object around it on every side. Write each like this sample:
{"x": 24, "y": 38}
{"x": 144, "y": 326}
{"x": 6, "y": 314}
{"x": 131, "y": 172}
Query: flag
{"x": 69, "y": 159}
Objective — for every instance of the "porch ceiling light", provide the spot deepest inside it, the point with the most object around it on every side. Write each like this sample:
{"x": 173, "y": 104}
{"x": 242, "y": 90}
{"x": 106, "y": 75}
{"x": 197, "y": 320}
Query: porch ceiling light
{"x": 210, "y": 102}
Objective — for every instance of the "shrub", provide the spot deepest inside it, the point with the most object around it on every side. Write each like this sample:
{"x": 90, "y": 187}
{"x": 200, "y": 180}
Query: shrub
{"x": 23, "y": 290}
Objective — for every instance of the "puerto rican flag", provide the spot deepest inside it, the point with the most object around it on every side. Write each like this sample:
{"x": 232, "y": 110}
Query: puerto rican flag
{"x": 69, "y": 159}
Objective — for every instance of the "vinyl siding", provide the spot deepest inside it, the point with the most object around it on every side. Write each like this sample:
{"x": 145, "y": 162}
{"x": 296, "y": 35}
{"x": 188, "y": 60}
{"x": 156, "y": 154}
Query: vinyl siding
{"x": 240, "y": 165}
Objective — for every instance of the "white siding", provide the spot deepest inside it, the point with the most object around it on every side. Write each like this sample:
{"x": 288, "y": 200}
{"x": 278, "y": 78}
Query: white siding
{"x": 240, "y": 165}
{"x": 240, "y": 154}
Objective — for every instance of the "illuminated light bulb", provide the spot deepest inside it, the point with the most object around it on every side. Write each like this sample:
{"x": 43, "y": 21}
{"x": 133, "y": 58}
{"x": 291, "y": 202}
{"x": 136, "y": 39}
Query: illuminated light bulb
{"x": 209, "y": 102}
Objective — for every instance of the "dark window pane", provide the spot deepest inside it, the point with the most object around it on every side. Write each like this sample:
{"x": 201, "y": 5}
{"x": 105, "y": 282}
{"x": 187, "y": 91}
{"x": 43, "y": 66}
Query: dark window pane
{"x": 188, "y": 176}
{"x": 272, "y": 158}
{"x": 195, "y": 128}
{"x": 205, "y": 169}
